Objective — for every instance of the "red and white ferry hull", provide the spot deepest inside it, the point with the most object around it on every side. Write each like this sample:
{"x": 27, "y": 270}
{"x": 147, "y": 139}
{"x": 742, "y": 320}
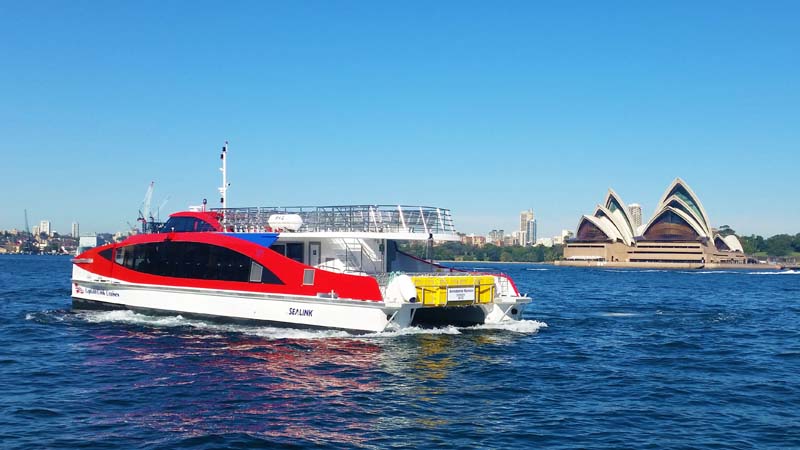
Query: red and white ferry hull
{"x": 277, "y": 309}
{"x": 196, "y": 269}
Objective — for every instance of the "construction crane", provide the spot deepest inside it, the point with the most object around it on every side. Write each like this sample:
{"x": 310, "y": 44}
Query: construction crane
{"x": 132, "y": 227}
{"x": 27, "y": 228}
{"x": 160, "y": 207}
{"x": 144, "y": 209}
{"x": 26, "y": 242}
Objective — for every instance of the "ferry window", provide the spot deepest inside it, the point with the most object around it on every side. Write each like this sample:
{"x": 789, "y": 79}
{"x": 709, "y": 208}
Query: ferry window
{"x": 149, "y": 258}
{"x": 186, "y": 225}
{"x": 308, "y": 277}
{"x": 125, "y": 256}
{"x": 173, "y": 224}
{"x": 294, "y": 251}
{"x": 256, "y": 270}
{"x": 202, "y": 225}
{"x": 193, "y": 260}
{"x": 106, "y": 254}
{"x": 279, "y": 248}
{"x": 228, "y": 265}
{"x": 267, "y": 277}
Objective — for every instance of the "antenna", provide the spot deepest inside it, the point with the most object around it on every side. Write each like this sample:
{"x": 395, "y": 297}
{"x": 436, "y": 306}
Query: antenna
{"x": 223, "y": 190}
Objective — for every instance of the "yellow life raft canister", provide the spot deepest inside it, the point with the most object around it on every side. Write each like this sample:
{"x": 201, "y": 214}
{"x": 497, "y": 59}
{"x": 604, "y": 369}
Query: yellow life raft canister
{"x": 457, "y": 290}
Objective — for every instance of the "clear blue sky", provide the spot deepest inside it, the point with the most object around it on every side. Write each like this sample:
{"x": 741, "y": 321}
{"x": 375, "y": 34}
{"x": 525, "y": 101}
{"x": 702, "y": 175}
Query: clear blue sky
{"x": 487, "y": 108}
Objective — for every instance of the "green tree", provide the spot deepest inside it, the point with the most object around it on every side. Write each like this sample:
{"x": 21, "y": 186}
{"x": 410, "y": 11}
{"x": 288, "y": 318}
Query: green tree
{"x": 752, "y": 244}
{"x": 519, "y": 253}
{"x": 779, "y": 245}
{"x": 491, "y": 252}
{"x": 538, "y": 253}
{"x": 554, "y": 253}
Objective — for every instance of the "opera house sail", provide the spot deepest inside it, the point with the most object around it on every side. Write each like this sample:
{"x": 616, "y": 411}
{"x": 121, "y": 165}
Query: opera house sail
{"x": 679, "y": 234}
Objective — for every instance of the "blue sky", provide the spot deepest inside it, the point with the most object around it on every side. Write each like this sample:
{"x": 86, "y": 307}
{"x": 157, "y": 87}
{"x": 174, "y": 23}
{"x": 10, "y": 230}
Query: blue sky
{"x": 486, "y": 108}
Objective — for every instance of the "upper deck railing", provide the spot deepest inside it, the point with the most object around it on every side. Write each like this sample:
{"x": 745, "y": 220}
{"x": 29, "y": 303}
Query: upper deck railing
{"x": 345, "y": 218}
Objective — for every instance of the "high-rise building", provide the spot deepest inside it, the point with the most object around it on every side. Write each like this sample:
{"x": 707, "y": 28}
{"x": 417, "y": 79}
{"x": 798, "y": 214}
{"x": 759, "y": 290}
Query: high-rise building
{"x": 44, "y": 227}
{"x": 524, "y": 217}
{"x": 636, "y": 215}
{"x": 530, "y": 233}
{"x": 496, "y": 236}
{"x": 76, "y": 230}
{"x": 527, "y": 227}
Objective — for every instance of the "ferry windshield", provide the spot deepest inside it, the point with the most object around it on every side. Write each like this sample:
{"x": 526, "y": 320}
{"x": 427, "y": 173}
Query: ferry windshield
{"x": 186, "y": 225}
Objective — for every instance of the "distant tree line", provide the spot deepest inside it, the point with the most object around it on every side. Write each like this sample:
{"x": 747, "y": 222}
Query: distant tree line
{"x": 456, "y": 251}
{"x": 780, "y": 245}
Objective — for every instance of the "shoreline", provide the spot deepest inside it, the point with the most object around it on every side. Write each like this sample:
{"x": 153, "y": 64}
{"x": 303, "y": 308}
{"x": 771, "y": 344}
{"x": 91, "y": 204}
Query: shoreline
{"x": 628, "y": 265}
{"x": 550, "y": 263}
{"x": 667, "y": 266}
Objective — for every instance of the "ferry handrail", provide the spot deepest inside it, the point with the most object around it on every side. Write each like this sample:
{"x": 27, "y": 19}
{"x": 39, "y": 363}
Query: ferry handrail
{"x": 358, "y": 218}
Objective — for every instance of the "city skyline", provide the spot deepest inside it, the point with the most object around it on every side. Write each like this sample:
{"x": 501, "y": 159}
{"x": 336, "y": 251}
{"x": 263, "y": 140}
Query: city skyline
{"x": 481, "y": 109}
{"x": 634, "y": 209}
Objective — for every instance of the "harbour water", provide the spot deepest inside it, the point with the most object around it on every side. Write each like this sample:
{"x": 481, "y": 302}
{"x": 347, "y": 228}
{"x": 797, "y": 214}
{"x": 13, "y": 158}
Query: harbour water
{"x": 604, "y": 359}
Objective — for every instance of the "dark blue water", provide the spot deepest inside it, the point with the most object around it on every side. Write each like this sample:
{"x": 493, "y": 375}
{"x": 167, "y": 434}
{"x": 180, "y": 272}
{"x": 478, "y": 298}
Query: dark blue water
{"x": 627, "y": 359}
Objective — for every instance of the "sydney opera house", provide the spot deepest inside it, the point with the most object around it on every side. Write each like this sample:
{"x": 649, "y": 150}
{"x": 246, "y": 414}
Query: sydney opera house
{"x": 679, "y": 234}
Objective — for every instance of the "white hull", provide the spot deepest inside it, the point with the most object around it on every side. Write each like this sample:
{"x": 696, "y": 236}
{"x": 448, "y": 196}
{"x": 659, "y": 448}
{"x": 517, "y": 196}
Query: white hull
{"x": 353, "y": 315}
{"x": 276, "y": 309}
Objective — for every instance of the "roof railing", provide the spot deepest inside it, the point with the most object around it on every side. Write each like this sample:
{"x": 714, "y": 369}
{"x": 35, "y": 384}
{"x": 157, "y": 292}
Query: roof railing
{"x": 345, "y": 218}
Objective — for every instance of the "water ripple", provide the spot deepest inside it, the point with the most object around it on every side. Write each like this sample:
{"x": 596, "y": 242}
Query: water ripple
{"x": 603, "y": 359}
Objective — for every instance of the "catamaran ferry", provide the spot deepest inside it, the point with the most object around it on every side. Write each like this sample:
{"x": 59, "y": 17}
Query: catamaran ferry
{"x": 334, "y": 267}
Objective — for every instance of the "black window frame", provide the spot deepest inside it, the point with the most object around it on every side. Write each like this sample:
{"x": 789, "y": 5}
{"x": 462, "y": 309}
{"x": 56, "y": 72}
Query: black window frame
{"x": 193, "y": 260}
{"x": 295, "y": 251}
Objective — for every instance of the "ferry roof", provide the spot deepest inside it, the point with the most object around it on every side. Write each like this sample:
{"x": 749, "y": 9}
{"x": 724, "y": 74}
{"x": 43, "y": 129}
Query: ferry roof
{"x": 397, "y": 222}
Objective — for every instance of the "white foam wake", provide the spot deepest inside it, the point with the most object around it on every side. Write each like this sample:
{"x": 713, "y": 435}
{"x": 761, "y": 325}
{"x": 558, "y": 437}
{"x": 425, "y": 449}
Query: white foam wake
{"x": 127, "y": 316}
{"x": 618, "y": 314}
{"x": 637, "y": 271}
{"x": 133, "y": 318}
{"x": 776, "y": 272}
{"x": 409, "y": 331}
{"x": 520, "y": 326}
{"x": 707, "y": 272}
